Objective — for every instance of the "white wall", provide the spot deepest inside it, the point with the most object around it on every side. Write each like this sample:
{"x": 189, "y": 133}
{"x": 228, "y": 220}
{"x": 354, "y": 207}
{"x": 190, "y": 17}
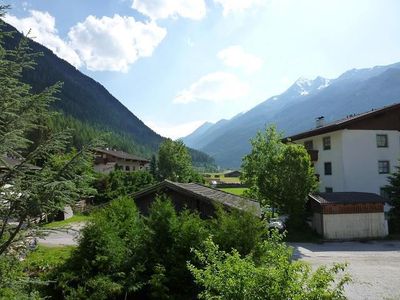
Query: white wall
{"x": 334, "y": 155}
{"x": 354, "y": 226}
{"x": 361, "y": 156}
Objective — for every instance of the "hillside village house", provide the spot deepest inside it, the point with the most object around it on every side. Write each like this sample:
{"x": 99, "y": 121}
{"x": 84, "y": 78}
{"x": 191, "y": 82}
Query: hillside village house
{"x": 107, "y": 160}
{"x": 354, "y": 155}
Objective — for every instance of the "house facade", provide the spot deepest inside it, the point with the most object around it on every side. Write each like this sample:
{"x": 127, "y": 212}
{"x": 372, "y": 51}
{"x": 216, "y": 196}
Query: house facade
{"x": 106, "y": 160}
{"x": 355, "y": 154}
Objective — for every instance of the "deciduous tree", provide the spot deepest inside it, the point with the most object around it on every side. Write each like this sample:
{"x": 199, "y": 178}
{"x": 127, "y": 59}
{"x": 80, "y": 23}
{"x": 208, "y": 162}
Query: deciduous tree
{"x": 279, "y": 175}
{"x": 174, "y": 161}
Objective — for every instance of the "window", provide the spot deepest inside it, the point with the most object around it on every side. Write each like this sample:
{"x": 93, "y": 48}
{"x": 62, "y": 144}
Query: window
{"x": 328, "y": 168}
{"x": 328, "y": 190}
{"x": 383, "y": 167}
{"x": 309, "y": 145}
{"x": 327, "y": 143}
{"x": 382, "y": 140}
{"x": 127, "y": 168}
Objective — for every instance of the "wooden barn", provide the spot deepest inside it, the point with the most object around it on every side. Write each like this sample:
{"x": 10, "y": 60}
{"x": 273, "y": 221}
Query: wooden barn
{"x": 194, "y": 197}
{"x": 349, "y": 215}
{"x": 233, "y": 174}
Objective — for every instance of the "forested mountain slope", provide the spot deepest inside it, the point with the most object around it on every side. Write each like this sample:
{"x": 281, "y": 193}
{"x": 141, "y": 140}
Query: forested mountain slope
{"x": 88, "y": 107}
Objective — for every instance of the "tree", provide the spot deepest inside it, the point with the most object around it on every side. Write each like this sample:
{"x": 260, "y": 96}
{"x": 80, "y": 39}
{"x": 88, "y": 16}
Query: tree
{"x": 274, "y": 275}
{"x": 153, "y": 167}
{"x": 119, "y": 183}
{"x": 393, "y": 190}
{"x": 279, "y": 175}
{"x": 28, "y": 192}
{"x": 174, "y": 161}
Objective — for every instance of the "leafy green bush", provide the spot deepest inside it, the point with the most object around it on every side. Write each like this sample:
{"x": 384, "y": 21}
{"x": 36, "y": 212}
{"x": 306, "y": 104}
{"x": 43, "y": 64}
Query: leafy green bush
{"x": 228, "y": 275}
{"x": 237, "y": 229}
{"x": 108, "y": 261}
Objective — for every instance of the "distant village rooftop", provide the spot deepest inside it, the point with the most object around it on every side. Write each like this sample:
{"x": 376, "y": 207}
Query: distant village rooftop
{"x": 120, "y": 154}
{"x": 348, "y": 122}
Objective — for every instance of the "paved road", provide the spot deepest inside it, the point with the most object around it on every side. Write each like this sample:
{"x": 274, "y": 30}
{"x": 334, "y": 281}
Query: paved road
{"x": 62, "y": 236}
{"x": 374, "y": 266}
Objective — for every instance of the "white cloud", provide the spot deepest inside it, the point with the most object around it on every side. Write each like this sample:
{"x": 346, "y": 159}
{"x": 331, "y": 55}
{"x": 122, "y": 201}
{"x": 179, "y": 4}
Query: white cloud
{"x": 236, "y": 57}
{"x": 43, "y": 31}
{"x": 101, "y": 44}
{"x": 114, "y": 43}
{"x": 162, "y": 9}
{"x": 215, "y": 87}
{"x": 232, "y": 6}
{"x": 174, "y": 131}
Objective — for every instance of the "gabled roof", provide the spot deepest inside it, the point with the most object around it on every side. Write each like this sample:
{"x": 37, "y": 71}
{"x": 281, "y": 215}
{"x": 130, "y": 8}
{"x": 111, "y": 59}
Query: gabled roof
{"x": 347, "y": 198}
{"x": 343, "y": 123}
{"x": 121, "y": 154}
{"x": 206, "y": 193}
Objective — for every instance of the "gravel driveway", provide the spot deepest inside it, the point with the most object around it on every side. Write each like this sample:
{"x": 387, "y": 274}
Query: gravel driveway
{"x": 65, "y": 236}
{"x": 374, "y": 266}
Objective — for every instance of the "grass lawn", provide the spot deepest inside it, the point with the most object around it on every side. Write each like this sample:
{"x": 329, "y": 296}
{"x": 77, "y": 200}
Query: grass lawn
{"x": 74, "y": 219}
{"x": 221, "y": 177}
{"x": 43, "y": 259}
{"x": 235, "y": 191}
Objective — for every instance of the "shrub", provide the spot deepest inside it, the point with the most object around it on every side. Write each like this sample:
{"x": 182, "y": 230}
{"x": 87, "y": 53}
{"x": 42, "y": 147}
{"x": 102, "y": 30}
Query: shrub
{"x": 272, "y": 276}
{"x": 109, "y": 258}
{"x": 237, "y": 229}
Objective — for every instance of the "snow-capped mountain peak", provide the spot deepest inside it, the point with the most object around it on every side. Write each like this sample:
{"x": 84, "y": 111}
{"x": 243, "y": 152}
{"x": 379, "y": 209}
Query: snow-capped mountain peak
{"x": 304, "y": 86}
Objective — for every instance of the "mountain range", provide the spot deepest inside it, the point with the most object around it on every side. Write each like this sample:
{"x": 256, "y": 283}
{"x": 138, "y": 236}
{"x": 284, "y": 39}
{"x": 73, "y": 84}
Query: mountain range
{"x": 295, "y": 110}
{"x": 88, "y": 107}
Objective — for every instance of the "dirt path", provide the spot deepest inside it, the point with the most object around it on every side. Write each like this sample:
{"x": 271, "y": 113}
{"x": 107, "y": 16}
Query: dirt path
{"x": 66, "y": 236}
{"x": 374, "y": 266}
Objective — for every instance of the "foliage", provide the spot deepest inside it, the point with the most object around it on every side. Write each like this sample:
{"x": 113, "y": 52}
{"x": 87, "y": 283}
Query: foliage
{"x": 14, "y": 283}
{"x": 237, "y": 229}
{"x": 393, "y": 191}
{"x": 83, "y": 133}
{"x": 153, "y": 167}
{"x": 124, "y": 255}
{"x": 172, "y": 236}
{"x": 119, "y": 183}
{"x": 279, "y": 175}
{"x": 175, "y": 163}
{"x": 109, "y": 258}
{"x": 43, "y": 260}
{"x": 273, "y": 275}
{"x": 27, "y": 192}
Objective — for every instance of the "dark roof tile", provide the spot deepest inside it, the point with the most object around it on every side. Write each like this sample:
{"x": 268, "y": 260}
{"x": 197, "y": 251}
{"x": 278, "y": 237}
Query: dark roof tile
{"x": 347, "y": 198}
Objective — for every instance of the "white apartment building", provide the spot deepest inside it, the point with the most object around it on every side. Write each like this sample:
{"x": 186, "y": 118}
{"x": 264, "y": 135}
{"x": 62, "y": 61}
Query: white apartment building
{"x": 355, "y": 154}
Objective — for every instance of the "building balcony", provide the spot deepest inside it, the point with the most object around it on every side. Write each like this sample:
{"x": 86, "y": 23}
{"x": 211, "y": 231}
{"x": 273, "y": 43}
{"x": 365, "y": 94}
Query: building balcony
{"x": 313, "y": 155}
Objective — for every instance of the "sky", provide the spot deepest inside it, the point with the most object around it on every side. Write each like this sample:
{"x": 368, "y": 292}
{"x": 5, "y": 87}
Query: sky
{"x": 179, "y": 63}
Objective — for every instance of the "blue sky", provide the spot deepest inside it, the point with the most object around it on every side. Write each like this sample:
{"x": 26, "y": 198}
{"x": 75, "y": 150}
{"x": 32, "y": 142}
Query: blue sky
{"x": 178, "y": 63}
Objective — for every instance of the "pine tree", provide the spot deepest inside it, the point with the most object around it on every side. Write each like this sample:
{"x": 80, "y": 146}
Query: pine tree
{"x": 153, "y": 167}
{"x": 37, "y": 178}
{"x": 393, "y": 190}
